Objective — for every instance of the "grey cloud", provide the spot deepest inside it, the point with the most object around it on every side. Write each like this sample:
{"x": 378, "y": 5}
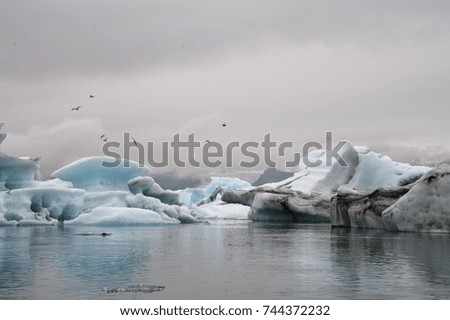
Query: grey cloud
{"x": 375, "y": 72}
{"x": 67, "y": 38}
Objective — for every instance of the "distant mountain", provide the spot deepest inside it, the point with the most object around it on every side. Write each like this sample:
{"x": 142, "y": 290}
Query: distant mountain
{"x": 172, "y": 181}
{"x": 272, "y": 175}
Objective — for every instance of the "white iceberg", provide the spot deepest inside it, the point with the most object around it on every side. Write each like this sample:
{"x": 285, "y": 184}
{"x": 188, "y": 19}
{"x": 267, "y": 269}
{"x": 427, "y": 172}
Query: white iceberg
{"x": 365, "y": 170}
{"x": 116, "y": 217}
{"x": 307, "y": 195}
{"x": 222, "y": 211}
{"x": 86, "y": 187}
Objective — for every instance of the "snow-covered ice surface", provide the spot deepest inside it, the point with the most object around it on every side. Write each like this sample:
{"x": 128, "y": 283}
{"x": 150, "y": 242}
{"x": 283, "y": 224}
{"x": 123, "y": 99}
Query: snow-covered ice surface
{"x": 222, "y": 210}
{"x": 113, "y": 217}
{"x": 375, "y": 171}
{"x": 365, "y": 170}
{"x": 92, "y": 174}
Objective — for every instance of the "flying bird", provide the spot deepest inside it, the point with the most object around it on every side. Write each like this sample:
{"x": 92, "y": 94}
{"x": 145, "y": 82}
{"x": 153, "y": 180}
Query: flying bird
{"x": 134, "y": 141}
{"x": 91, "y": 96}
{"x": 224, "y": 124}
{"x": 104, "y": 138}
{"x": 207, "y": 141}
{"x": 77, "y": 108}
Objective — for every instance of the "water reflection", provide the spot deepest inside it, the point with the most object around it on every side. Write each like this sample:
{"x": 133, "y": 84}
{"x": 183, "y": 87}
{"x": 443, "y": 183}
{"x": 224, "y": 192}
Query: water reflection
{"x": 374, "y": 264}
{"x": 223, "y": 260}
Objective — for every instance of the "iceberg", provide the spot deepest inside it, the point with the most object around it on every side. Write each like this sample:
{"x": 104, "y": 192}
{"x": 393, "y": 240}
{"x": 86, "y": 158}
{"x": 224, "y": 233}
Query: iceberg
{"x": 16, "y": 172}
{"x": 307, "y": 196}
{"x": 86, "y": 191}
{"x": 126, "y": 186}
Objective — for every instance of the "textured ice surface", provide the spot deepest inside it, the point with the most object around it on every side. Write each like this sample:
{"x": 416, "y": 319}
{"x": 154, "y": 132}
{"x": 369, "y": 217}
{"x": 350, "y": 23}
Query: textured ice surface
{"x": 112, "y": 216}
{"x": 192, "y": 196}
{"x": 366, "y": 170}
{"x": 426, "y": 207}
{"x": 91, "y": 174}
{"x": 222, "y": 210}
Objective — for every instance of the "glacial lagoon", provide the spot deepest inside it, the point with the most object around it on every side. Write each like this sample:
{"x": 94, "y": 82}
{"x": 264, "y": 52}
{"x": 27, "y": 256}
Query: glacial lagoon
{"x": 231, "y": 259}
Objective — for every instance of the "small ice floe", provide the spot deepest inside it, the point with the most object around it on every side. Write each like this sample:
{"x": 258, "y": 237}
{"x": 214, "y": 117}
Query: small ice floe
{"x": 135, "y": 289}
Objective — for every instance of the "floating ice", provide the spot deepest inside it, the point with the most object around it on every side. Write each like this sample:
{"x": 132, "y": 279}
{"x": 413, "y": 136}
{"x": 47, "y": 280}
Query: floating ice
{"x": 116, "y": 217}
{"x": 306, "y": 196}
{"x": 222, "y": 210}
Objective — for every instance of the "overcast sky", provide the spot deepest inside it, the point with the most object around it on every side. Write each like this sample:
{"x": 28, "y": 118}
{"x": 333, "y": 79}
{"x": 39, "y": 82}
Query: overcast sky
{"x": 374, "y": 72}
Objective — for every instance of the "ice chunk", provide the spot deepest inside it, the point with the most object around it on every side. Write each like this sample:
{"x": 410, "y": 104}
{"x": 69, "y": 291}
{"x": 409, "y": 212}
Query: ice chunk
{"x": 92, "y": 174}
{"x": 289, "y": 205}
{"x": 192, "y": 196}
{"x": 363, "y": 209}
{"x": 108, "y": 216}
{"x": 425, "y": 207}
{"x": 17, "y": 173}
{"x": 181, "y": 214}
{"x": 324, "y": 178}
{"x": 222, "y": 210}
{"x": 148, "y": 187}
{"x": 43, "y": 204}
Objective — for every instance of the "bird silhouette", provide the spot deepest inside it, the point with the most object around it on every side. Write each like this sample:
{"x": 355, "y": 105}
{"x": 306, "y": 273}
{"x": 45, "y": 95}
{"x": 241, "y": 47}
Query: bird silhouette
{"x": 92, "y": 96}
{"x": 77, "y": 108}
{"x": 207, "y": 141}
{"x": 134, "y": 141}
{"x": 224, "y": 124}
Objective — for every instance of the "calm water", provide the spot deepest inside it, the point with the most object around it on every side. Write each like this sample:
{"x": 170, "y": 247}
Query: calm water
{"x": 223, "y": 260}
